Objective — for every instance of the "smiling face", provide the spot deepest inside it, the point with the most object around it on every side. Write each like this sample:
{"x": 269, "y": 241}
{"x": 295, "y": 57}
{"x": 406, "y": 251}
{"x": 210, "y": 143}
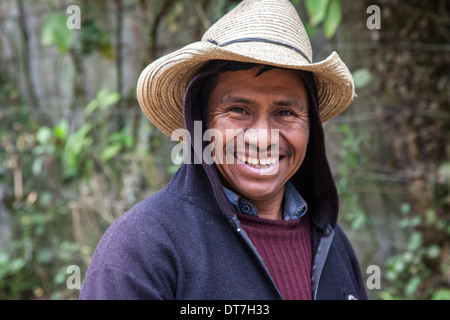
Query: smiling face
{"x": 260, "y": 105}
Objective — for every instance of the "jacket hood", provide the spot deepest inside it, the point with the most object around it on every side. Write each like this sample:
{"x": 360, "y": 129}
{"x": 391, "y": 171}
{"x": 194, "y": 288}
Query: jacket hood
{"x": 313, "y": 180}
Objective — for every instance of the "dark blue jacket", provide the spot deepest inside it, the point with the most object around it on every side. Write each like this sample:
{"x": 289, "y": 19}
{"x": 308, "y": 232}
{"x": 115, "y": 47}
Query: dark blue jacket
{"x": 185, "y": 242}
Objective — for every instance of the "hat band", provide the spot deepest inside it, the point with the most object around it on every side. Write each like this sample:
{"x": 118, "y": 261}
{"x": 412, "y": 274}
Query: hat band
{"x": 260, "y": 40}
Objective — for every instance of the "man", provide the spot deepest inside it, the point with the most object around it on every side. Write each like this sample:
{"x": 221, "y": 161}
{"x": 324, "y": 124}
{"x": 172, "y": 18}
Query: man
{"x": 263, "y": 225}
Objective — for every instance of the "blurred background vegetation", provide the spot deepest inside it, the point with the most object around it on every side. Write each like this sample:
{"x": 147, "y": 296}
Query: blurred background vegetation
{"x": 76, "y": 152}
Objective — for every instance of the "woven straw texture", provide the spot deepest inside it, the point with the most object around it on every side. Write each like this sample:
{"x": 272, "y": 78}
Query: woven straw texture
{"x": 259, "y": 31}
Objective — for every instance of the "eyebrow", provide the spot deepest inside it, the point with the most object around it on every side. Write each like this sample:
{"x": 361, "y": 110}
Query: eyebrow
{"x": 289, "y": 103}
{"x": 229, "y": 99}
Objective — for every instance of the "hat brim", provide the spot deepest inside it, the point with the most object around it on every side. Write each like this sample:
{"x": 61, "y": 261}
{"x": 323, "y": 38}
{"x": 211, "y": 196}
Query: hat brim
{"x": 162, "y": 84}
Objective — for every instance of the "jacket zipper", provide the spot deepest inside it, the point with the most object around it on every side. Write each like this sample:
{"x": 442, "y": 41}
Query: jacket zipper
{"x": 319, "y": 259}
{"x": 249, "y": 243}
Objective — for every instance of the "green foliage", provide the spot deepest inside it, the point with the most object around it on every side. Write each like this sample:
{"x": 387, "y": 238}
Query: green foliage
{"x": 72, "y": 152}
{"x": 333, "y": 18}
{"x": 441, "y": 294}
{"x": 92, "y": 37}
{"x": 415, "y": 272}
{"x": 317, "y": 10}
{"x": 362, "y": 78}
{"x": 410, "y": 271}
{"x": 41, "y": 242}
{"x": 325, "y": 12}
{"x": 351, "y": 161}
{"x": 60, "y": 217}
{"x": 89, "y": 39}
{"x": 102, "y": 101}
{"x": 55, "y": 32}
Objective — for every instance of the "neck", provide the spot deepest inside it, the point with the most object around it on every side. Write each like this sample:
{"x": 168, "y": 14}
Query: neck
{"x": 270, "y": 209}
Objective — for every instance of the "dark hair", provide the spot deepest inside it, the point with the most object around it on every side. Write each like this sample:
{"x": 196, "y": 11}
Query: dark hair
{"x": 209, "y": 82}
{"x": 239, "y": 66}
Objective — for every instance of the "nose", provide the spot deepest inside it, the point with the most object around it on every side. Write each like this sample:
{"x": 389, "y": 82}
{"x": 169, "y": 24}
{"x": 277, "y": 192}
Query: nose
{"x": 260, "y": 137}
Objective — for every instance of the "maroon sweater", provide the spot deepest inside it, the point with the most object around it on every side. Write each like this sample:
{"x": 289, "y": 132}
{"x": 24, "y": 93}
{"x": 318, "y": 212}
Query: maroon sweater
{"x": 285, "y": 247}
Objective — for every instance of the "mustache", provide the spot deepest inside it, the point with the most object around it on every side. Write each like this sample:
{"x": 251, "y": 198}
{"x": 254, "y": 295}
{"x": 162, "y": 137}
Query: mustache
{"x": 252, "y": 149}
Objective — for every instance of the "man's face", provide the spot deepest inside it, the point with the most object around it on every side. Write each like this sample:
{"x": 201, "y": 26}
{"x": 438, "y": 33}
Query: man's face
{"x": 276, "y": 99}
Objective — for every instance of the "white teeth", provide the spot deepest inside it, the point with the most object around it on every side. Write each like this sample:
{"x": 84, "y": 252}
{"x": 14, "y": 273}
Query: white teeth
{"x": 258, "y": 163}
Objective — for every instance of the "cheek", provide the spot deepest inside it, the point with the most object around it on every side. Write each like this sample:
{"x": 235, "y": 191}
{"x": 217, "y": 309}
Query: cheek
{"x": 221, "y": 145}
{"x": 299, "y": 144}
{"x": 215, "y": 120}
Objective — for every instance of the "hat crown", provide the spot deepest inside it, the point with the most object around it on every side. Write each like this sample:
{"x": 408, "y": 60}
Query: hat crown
{"x": 276, "y": 21}
{"x": 256, "y": 31}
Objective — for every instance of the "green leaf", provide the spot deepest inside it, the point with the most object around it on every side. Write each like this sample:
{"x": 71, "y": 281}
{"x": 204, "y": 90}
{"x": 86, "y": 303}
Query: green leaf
{"x": 44, "y": 256}
{"x": 405, "y": 207}
{"x": 91, "y": 106}
{"x": 415, "y": 241}
{"x": 333, "y": 18}
{"x": 103, "y": 100}
{"x": 310, "y": 30}
{"x": 106, "y": 98}
{"x": 17, "y": 264}
{"x": 75, "y": 144}
{"x": 316, "y": 10}
{"x": 55, "y": 32}
{"x": 441, "y": 294}
{"x": 36, "y": 167}
{"x": 43, "y": 135}
{"x": 412, "y": 286}
{"x": 111, "y": 151}
{"x": 362, "y": 78}
{"x": 61, "y": 130}
{"x": 60, "y": 276}
{"x": 433, "y": 251}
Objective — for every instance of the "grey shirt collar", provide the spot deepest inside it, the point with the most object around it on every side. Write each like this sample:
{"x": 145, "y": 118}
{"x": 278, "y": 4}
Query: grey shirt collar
{"x": 294, "y": 206}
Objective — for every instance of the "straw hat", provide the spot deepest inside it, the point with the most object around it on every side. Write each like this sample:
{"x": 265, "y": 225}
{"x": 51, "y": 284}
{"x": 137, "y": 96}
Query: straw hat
{"x": 260, "y": 31}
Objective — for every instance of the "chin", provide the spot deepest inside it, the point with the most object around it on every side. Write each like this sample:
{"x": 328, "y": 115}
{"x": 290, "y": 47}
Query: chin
{"x": 257, "y": 190}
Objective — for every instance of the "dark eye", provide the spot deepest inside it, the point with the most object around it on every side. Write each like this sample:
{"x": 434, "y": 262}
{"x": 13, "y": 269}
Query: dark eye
{"x": 238, "y": 110}
{"x": 285, "y": 113}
